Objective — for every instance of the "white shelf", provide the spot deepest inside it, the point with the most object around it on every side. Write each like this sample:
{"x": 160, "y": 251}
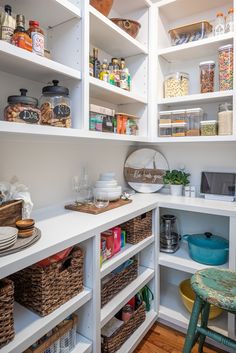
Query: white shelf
{"x": 138, "y": 335}
{"x": 48, "y": 13}
{"x": 123, "y": 7}
{"x": 83, "y": 345}
{"x": 30, "y": 327}
{"x": 126, "y": 253}
{"x": 22, "y": 63}
{"x": 181, "y": 260}
{"x": 187, "y": 139}
{"x": 173, "y": 310}
{"x": 201, "y": 48}
{"x": 115, "y": 304}
{"x": 197, "y": 98}
{"x": 112, "y": 39}
{"x": 109, "y": 93}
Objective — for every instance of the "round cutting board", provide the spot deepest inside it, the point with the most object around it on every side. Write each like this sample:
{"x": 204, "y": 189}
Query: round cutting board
{"x": 144, "y": 170}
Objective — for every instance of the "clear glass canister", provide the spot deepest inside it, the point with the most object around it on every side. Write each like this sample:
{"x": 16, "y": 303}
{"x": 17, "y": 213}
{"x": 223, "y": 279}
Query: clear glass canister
{"x": 225, "y": 119}
{"x": 209, "y": 127}
{"x": 176, "y": 84}
{"x": 179, "y": 129}
{"x": 226, "y": 58}
{"x": 193, "y": 116}
{"x": 55, "y": 106}
{"x": 207, "y": 76}
{"x": 22, "y": 109}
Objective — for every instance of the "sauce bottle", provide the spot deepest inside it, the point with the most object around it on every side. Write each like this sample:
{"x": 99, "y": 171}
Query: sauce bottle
{"x": 37, "y": 36}
{"x": 104, "y": 74}
{"x": 8, "y": 24}
{"x": 20, "y": 37}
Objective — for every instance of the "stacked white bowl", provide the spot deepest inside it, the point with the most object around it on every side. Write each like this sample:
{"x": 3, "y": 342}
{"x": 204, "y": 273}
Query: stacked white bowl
{"x": 108, "y": 187}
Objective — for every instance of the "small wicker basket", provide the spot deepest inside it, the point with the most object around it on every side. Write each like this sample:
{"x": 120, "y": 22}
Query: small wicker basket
{"x": 7, "y": 331}
{"x": 138, "y": 228}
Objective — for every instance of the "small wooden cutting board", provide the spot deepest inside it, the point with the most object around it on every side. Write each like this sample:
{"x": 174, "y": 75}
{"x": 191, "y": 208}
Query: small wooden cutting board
{"x": 94, "y": 210}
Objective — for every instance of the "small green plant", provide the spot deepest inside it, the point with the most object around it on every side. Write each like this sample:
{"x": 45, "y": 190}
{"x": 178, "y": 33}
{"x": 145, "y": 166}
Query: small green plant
{"x": 176, "y": 177}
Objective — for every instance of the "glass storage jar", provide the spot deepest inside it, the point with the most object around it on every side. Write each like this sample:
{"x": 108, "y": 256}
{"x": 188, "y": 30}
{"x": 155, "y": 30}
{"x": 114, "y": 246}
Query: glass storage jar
{"x": 179, "y": 129}
{"x": 225, "y": 119}
{"x": 165, "y": 117}
{"x": 22, "y": 109}
{"x": 176, "y": 84}
{"x": 193, "y": 116}
{"x": 226, "y": 58}
{"x": 55, "y": 106}
{"x": 207, "y": 76}
{"x": 209, "y": 127}
{"x": 165, "y": 130}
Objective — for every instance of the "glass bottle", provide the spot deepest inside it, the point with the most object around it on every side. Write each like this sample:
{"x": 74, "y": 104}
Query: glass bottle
{"x": 229, "y": 24}
{"x": 116, "y": 71}
{"x": 219, "y": 24}
{"x": 111, "y": 74}
{"x": 123, "y": 75}
{"x": 96, "y": 63}
{"x": 90, "y": 65}
{"x": 84, "y": 190}
{"x": 104, "y": 74}
{"x": 8, "y": 24}
{"x": 20, "y": 37}
{"x": 37, "y": 36}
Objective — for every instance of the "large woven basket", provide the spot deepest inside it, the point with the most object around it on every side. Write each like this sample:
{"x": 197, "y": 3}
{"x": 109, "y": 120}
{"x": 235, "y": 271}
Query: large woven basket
{"x": 113, "y": 343}
{"x": 118, "y": 282}
{"x": 138, "y": 228}
{"x": 10, "y": 212}
{"x": 7, "y": 331}
{"x": 44, "y": 289}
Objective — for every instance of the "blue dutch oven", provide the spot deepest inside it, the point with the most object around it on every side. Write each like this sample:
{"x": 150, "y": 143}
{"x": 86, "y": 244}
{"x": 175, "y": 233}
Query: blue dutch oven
{"x": 207, "y": 248}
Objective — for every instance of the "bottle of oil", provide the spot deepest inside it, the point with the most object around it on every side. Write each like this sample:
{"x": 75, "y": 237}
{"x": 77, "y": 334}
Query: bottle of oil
{"x": 104, "y": 74}
{"x": 96, "y": 63}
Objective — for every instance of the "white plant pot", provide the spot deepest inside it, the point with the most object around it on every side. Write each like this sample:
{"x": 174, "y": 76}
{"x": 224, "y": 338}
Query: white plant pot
{"x": 176, "y": 190}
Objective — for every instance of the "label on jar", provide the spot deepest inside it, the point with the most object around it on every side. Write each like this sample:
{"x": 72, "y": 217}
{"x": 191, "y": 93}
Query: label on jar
{"x": 37, "y": 43}
{"x": 7, "y": 33}
{"x": 29, "y": 116}
{"x": 61, "y": 111}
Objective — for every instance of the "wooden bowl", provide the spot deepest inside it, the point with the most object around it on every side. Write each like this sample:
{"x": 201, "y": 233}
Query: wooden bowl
{"x": 103, "y": 6}
{"x": 129, "y": 26}
{"x": 25, "y": 223}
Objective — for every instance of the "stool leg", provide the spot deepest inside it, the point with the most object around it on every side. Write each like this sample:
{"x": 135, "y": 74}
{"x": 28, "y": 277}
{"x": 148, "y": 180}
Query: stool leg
{"x": 204, "y": 322}
{"x": 190, "y": 338}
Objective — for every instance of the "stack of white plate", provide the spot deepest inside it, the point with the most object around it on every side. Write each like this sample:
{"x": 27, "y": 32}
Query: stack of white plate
{"x": 8, "y": 237}
{"x": 108, "y": 187}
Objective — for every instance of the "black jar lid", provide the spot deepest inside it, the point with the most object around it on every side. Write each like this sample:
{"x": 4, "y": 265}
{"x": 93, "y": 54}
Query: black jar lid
{"x": 23, "y": 99}
{"x": 55, "y": 89}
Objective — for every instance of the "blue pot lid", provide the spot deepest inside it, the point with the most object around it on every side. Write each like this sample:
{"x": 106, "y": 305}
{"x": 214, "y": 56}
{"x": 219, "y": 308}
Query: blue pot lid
{"x": 208, "y": 240}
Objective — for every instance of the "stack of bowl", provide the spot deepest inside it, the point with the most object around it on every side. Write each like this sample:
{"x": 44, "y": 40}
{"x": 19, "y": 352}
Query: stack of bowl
{"x": 108, "y": 186}
{"x": 8, "y": 237}
{"x": 25, "y": 228}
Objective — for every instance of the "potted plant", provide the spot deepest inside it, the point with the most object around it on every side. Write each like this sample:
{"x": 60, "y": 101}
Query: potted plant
{"x": 176, "y": 179}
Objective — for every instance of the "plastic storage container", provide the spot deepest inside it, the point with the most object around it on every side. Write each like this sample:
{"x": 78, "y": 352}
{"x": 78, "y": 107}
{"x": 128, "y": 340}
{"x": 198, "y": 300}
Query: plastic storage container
{"x": 190, "y": 33}
{"x": 165, "y": 130}
{"x": 55, "y": 106}
{"x": 179, "y": 129}
{"x": 176, "y": 84}
{"x": 178, "y": 116}
{"x": 209, "y": 127}
{"x": 22, "y": 109}
{"x": 225, "y": 119}
{"x": 207, "y": 76}
{"x": 165, "y": 117}
{"x": 193, "y": 117}
{"x": 226, "y": 58}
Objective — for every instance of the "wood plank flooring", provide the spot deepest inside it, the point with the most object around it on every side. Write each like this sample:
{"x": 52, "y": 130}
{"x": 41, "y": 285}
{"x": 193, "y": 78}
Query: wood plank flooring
{"x": 162, "y": 339}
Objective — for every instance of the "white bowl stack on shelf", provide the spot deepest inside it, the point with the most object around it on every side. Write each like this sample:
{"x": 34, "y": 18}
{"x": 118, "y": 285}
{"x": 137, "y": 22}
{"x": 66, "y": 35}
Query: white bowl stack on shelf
{"x": 8, "y": 237}
{"x": 108, "y": 187}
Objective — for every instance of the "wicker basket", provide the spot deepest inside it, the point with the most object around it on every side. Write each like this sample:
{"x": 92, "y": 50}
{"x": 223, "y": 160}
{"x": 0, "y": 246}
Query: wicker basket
{"x": 118, "y": 282}
{"x": 113, "y": 343}
{"x": 138, "y": 228}
{"x": 10, "y": 212}
{"x": 44, "y": 289}
{"x": 7, "y": 331}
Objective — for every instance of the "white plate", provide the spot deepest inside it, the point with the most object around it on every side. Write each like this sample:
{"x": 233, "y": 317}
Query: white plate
{"x": 144, "y": 170}
{"x": 7, "y": 233}
{"x": 8, "y": 245}
{"x": 106, "y": 183}
{"x": 8, "y": 240}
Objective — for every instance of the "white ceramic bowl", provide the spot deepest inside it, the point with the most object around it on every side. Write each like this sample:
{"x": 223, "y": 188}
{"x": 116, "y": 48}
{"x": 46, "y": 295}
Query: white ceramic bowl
{"x": 109, "y": 196}
{"x": 107, "y": 176}
{"x": 106, "y": 183}
{"x": 109, "y": 189}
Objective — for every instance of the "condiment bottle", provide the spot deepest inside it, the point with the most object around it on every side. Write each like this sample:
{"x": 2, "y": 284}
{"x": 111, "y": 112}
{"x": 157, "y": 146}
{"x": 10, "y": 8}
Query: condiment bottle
{"x": 104, "y": 74}
{"x": 20, "y": 37}
{"x": 116, "y": 71}
{"x": 229, "y": 24}
{"x": 123, "y": 75}
{"x": 37, "y": 36}
{"x": 111, "y": 74}
{"x": 8, "y": 24}
{"x": 219, "y": 24}
{"x": 96, "y": 63}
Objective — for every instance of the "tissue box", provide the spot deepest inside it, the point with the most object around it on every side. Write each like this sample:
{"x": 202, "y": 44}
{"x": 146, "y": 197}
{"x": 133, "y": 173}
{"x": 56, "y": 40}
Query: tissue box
{"x": 10, "y": 212}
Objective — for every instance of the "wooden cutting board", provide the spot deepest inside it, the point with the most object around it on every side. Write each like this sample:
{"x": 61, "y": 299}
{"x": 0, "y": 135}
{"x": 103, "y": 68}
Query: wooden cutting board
{"x": 94, "y": 210}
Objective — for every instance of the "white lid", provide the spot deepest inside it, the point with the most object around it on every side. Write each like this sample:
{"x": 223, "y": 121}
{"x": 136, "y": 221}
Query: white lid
{"x": 208, "y": 122}
{"x": 164, "y": 125}
{"x": 176, "y": 112}
{"x": 210, "y": 62}
{"x": 179, "y": 124}
{"x": 228, "y": 46}
{"x": 165, "y": 112}
{"x": 194, "y": 110}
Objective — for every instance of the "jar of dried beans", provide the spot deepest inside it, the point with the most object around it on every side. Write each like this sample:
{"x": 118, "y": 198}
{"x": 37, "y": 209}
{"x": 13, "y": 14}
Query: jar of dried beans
{"x": 225, "y": 119}
{"x": 207, "y": 76}
{"x": 226, "y": 58}
{"x": 55, "y": 106}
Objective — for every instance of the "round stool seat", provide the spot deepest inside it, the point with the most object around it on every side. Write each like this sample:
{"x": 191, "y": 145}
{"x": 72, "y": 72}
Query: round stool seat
{"x": 217, "y": 287}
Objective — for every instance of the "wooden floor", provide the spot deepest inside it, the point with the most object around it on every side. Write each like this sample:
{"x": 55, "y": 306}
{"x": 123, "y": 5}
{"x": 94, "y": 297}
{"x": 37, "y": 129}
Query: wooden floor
{"x": 162, "y": 339}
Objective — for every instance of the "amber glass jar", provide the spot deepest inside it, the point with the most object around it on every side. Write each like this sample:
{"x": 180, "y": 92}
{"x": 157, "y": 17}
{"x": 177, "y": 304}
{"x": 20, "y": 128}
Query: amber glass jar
{"x": 37, "y": 36}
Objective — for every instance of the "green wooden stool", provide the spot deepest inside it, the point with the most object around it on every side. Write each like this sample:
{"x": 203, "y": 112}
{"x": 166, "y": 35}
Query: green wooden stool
{"x": 211, "y": 286}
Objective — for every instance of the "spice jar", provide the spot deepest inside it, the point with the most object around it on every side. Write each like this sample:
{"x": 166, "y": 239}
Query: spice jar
{"x": 226, "y": 58}
{"x": 127, "y": 312}
{"x": 22, "y": 109}
{"x": 207, "y": 76}
{"x": 176, "y": 84}
{"x": 208, "y": 128}
{"x": 55, "y": 106}
{"x": 225, "y": 119}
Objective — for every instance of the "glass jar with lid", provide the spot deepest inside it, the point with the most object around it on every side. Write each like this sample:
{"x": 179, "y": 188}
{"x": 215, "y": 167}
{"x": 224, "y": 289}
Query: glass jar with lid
{"x": 22, "y": 109}
{"x": 209, "y": 127}
{"x": 193, "y": 116}
{"x": 225, "y": 119}
{"x": 55, "y": 106}
{"x": 207, "y": 76}
{"x": 176, "y": 84}
{"x": 226, "y": 64}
